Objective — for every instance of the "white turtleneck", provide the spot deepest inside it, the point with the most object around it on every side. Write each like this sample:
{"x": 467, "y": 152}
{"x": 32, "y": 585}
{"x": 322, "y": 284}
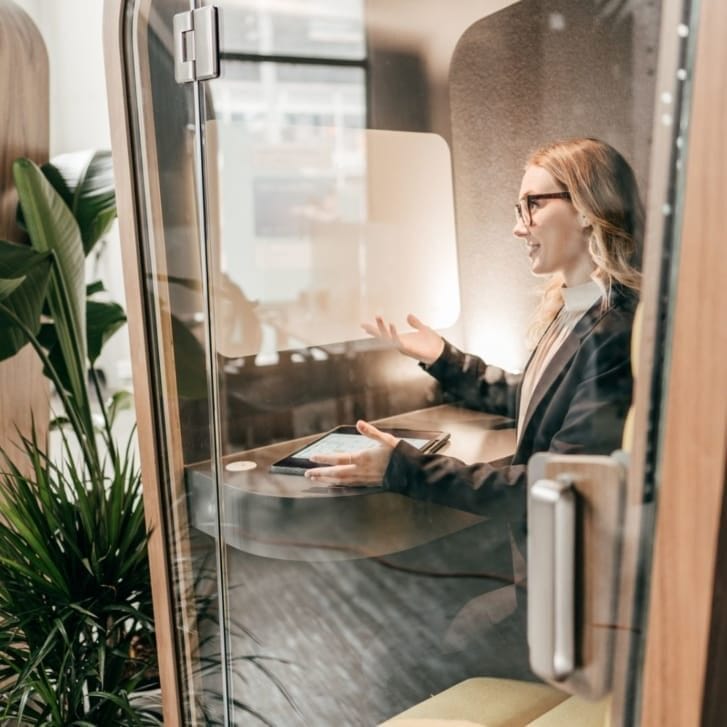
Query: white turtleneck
{"x": 576, "y": 301}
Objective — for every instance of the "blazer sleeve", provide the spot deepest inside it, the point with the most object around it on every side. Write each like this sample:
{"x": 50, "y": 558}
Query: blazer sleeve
{"x": 469, "y": 379}
{"x": 448, "y": 481}
{"x": 596, "y": 408}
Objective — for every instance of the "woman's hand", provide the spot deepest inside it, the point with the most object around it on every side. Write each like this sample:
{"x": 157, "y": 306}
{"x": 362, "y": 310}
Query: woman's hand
{"x": 423, "y": 344}
{"x": 360, "y": 468}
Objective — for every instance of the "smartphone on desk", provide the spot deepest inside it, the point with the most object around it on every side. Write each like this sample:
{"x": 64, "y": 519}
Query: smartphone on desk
{"x": 346, "y": 439}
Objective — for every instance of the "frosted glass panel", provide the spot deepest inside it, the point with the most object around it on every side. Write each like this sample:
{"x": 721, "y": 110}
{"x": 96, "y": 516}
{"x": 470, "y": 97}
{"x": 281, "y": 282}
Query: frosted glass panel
{"x": 323, "y": 227}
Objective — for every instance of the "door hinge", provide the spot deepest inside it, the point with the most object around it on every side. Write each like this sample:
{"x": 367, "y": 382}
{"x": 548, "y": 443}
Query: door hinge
{"x": 196, "y": 45}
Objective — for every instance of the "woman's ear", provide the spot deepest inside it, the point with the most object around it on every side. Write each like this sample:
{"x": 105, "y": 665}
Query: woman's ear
{"x": 583, "y": 221}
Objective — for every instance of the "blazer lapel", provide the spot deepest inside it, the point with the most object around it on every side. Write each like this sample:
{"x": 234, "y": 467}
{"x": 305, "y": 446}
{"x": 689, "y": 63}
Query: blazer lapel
{"x": 560, "y": 360}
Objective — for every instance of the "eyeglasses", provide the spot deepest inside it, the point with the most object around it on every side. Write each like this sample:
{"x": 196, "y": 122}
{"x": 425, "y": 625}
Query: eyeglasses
{"x": 525, "y": 213}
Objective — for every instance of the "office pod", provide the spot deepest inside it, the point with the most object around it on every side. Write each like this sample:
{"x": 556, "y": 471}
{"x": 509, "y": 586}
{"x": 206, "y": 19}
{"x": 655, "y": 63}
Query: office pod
{"x": 525, "y": 178}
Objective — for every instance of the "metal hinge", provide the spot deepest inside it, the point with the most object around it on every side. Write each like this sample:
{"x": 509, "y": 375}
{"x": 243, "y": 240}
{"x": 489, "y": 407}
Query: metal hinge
{"x": 196, "y": 45}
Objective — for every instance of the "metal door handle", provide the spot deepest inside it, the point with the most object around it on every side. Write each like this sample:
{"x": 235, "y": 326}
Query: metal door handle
{"x": 551, "y": 577}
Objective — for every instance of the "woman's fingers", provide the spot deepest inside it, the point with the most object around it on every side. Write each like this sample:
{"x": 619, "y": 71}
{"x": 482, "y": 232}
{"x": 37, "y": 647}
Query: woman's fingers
{"x": 337, "y": 472}
{"x": 378, "y": 329}
{"x": 334, "y": 459}
{"x": 343, "y": 475}
{"x": 339, "y": 482}
{"x": 395, "y": 336}
{"x": 414, "y": 322}
{"x": 359, "y": 468}
{"x": 370, "y": 431}
{"x": 382, "y": 328}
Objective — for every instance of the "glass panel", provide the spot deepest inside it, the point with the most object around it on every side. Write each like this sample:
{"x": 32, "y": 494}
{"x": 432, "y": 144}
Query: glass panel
{"x": 361, "y": 158}
{"x": 164, "y": 140}
{"x": 330, "y": 201}
{"x": 317, "y": 28}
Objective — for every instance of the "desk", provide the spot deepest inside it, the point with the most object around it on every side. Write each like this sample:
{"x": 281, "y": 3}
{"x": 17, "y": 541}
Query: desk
{"x": 385, "y": 597}
{"x": 288, "y": 517}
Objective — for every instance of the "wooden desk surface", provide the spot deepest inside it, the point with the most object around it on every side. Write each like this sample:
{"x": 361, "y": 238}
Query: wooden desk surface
{"x": 287, "y": 516}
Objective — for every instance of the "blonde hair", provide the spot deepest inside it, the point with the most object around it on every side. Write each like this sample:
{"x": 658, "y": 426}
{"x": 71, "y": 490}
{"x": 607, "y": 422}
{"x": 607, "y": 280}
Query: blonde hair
{"x": 602, "y": 187}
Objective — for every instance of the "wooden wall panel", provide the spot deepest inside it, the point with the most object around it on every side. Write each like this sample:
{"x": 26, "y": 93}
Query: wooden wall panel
{"x": 23, "y": 132}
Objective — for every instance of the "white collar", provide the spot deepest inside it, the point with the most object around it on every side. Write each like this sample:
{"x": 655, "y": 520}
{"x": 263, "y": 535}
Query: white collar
{"x": 581, "y": 297}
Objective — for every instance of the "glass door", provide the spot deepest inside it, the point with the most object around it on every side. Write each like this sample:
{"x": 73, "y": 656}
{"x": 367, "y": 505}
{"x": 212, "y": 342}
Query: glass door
{"x": 486, "y": 167}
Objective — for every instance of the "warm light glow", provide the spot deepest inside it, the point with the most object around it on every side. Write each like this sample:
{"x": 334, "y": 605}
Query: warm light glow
{"x": 498, "y": 340}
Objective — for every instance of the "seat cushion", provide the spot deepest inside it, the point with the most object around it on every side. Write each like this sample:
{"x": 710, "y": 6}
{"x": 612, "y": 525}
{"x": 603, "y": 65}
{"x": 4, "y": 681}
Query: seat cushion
{"x": 482, "y": 702}
{"x": 576, "y": 711}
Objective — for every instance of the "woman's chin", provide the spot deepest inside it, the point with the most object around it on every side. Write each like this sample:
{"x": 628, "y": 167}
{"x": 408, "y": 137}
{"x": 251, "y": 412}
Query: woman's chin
{"x": 537, "y": 270}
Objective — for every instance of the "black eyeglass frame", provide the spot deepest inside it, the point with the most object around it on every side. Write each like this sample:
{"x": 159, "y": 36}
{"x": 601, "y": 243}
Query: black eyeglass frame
{"x": 527, "y": 218}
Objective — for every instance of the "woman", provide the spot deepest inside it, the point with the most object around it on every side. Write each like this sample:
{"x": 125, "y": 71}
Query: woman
{"x": 580, "y": 216}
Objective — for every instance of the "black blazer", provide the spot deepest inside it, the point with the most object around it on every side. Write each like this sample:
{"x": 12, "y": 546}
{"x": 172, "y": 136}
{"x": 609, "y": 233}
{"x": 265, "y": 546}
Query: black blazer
{"x": 578, "y": 407}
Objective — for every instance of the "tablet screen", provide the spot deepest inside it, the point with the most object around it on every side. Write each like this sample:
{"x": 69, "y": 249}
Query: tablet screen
{"x": 337, "y": 443}
{"x": 347, "y": 440}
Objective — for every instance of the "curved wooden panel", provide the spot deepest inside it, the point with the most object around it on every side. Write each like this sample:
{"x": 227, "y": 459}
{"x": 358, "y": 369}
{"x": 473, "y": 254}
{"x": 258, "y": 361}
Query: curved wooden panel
{"x": 23, "y": 133}
{"x": 159, "y": 560}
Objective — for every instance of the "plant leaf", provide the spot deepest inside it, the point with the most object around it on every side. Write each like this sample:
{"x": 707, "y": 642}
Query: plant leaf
{"x": 24, "y": 275}
{"x": 89, "y": 178}
{"x": 102, "y": 321}
{"x": 96, "y": 287}
{"x": 16, "y": 261}
{"x": 52, "y": 228}
{"x": 56, "y": 178}
{"x": 121, "y": 401}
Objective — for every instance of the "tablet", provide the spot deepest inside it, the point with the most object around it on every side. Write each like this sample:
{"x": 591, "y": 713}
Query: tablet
{"x": 346, "y": 439}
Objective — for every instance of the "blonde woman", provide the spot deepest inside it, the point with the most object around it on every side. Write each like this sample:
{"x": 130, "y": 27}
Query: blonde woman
{"x": 581, "y": 219}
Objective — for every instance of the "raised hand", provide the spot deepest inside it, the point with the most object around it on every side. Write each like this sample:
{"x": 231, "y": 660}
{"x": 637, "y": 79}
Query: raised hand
{"x": 366, "y": 467}
{"x": 424, "y": 343}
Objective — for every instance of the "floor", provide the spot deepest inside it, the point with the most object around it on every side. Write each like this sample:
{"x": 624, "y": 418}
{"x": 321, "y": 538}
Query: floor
{"x": 355, "y": 642}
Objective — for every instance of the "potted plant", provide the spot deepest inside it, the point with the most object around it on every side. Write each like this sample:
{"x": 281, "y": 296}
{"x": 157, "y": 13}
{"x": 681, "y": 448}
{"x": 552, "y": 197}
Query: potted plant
{"x": 76, "y": 629}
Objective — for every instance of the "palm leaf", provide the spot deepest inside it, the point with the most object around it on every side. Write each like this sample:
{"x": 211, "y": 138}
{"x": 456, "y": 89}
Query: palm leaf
{"x": 102, "y": 321}
{"x": 21, "y": 301}
{"x": 52, "y": 228}
{"x": 16, "y": 261}
{"x": 88, "y": 179}
{"x": 96, "y": 287}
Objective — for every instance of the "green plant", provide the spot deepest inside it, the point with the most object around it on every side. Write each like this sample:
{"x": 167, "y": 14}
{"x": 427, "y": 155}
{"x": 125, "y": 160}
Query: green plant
{"x": 75, "y": 597}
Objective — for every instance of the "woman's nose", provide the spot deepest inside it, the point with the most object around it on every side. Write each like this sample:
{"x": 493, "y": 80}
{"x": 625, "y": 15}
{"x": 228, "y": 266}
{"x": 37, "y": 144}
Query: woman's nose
{"x": 520, "y": 230}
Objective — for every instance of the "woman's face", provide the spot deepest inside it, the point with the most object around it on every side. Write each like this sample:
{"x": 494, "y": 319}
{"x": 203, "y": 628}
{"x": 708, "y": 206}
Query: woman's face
{"x": 557, "y": 237}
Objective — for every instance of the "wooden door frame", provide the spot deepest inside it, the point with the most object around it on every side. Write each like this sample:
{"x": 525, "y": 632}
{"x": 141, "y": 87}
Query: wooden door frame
{"x": 677, "y": 681}
{"x": 129, "y": 213}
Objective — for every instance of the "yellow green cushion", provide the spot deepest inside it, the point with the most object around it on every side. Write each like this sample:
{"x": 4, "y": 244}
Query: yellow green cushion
{"x": 577, "y": 712}
{"x": 482, "y": 702}
{"x": 423, "y": 722}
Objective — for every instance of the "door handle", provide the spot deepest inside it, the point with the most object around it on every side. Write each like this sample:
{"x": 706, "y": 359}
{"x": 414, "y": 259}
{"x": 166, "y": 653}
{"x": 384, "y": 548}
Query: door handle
{"x": 575, "y": 523}
{"x": 551, "y": 577}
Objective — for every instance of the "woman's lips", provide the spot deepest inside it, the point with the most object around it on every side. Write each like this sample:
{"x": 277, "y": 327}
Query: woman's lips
{"x": 533, "y": 250}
